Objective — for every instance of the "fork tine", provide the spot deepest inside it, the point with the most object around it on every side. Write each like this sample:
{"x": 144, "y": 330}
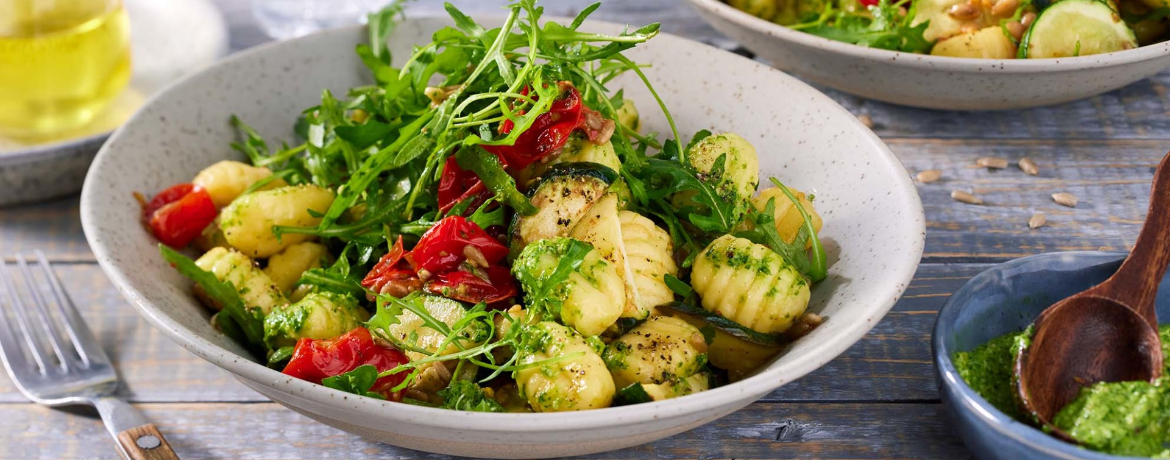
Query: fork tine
{"x": 10, "y": 349}
{"x": 83, "y": 340}
{"x": 42, "y": 309}
{"x": 18, "y": 308}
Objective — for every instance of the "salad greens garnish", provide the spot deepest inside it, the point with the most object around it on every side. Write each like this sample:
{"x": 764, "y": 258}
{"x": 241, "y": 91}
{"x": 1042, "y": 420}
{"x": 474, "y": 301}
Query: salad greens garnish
{"x": 358, "y": 381}
{"x": 885, "y": 25}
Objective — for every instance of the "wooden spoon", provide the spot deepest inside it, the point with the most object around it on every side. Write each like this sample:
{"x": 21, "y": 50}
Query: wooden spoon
{"x": 1108, "y": 333}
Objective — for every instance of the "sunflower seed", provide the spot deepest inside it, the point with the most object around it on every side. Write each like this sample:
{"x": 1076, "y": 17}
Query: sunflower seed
{"x": 1028, "y": 166}
{"x": 1038, "y": 220}
{"x": 992, "y": 162}
{"x": 866, "y": 120}
{"x": 928, "y": 176}
{"x": 965, "y": 197}
{"x": 1065, "y": 199}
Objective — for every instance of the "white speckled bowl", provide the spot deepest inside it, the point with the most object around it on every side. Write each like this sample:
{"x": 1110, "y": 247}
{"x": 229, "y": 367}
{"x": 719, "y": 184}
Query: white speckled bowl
{"x": 873, "y": 225}
{"x": 934, "y": 82}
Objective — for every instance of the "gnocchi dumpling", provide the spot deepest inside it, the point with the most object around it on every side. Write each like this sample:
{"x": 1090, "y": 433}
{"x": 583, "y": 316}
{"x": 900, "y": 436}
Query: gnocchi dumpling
{"x": 741, "y": 169}
{"x": 661, "y": 350}
{"x": 589, "y": 299}
{"x": 749, "y": 284}
{"x": 256, "y": 289}
{"x": 733, "y": 354}
{"x": 247, "y": 222}
{"x": 567, "y": 384}
{"x": 638, "y": 250}
{"x": 319, "y": 316}
{"x": 627, "y": 115}
{"x": 225, "y": 181}
{"x": 788, "y": 218}
{"x": 650, "y": 255}
{"x": 286, "y": 268}
{"x": 675, "y": 388}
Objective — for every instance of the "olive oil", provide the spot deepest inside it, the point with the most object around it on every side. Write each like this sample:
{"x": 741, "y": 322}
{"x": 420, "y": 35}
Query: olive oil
{"x": 61, "y": 63}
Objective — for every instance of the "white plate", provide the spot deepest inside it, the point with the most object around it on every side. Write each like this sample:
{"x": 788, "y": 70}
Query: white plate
{"x": 934, "y": 82}
{"x": 873, "y": 224}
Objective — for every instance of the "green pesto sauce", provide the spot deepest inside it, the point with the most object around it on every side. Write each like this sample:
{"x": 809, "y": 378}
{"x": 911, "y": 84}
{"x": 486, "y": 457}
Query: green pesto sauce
{"x": 1120, "y": 418}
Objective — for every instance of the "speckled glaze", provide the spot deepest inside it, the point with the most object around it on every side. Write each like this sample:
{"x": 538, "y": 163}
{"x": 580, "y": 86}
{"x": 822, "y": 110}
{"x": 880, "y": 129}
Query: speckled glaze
{"x": 1001, "y": 300}
{"x": 934, "y": 82}
{"x": 46, "y": 172}
{"x": 873, "y": 225}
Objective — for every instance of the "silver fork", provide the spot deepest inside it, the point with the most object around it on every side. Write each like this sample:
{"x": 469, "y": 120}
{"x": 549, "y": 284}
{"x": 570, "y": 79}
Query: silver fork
{"x": 70, "y": 368}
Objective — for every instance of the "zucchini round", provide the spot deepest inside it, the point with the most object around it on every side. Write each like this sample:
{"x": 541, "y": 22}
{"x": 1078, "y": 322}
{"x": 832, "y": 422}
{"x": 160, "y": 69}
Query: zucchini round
{"x": 726, "y": 325}
{"x": 1076, "y": 28}
{"x": 561, "y": 196}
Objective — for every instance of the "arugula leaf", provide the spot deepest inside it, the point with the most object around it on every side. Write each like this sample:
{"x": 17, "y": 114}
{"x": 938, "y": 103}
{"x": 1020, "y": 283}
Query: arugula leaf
{"x": 485, "y": 218}
{"x": 364, "y": 135}
{"x": 487, "y": 166}
{"x": 764, "y": 232}
{"x": 246, "y": 322}
{"x": 280, "y": 357}
{"x": 358, "y": 381}
{"x": 466, "y": 395}
{"x": 882, "y": 26}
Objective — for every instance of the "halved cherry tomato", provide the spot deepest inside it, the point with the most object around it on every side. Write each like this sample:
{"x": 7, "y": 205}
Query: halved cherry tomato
{"x": 315, "y": 360}
{"x": 550, "y": 131}
{"x": 468, "y": 287}
{"x": 442, "y": 248}
{"x": 179, "y": 214}
{"x": 393, "y": 274}
{"x": 457, "y": 185}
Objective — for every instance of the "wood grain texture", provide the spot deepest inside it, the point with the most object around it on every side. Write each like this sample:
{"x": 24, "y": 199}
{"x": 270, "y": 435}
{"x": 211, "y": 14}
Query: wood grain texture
{"x": 146, "y": 443}
{"x": 892, "y": 363}
{"x": 268, "y": 431}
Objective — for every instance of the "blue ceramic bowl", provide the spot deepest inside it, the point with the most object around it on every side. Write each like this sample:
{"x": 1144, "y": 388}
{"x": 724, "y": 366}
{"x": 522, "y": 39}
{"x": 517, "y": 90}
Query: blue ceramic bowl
{"x": 1004, "y": 299}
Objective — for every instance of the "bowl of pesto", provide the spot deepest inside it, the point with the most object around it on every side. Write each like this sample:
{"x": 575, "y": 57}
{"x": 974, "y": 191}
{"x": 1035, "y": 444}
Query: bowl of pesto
{"x": 974, "y": 338}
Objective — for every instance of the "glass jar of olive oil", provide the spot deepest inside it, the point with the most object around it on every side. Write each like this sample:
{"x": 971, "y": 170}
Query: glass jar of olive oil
{"x": 61, "y": 63}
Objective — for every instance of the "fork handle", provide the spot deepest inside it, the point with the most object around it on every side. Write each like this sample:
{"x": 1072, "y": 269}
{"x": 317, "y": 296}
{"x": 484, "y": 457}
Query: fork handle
{"x": 145, "y": 443}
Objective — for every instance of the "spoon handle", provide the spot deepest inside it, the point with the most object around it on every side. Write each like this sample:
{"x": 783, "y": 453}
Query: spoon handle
{"x": 1136, "y": 282}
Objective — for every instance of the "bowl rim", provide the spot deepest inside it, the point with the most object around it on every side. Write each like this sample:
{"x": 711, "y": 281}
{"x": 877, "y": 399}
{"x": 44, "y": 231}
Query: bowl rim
{"x": 930, "y": 62}
{"x": 969, "y": 400}
{"x": 368, "y": 410}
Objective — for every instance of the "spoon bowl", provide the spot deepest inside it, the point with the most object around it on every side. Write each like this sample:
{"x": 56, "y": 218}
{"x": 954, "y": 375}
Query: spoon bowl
{"x": 1080, "y": 341}
{"x": 1107, "y": 333}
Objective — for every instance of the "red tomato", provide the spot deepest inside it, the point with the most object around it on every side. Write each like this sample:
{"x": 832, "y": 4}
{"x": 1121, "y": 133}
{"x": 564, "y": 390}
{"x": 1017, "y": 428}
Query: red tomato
{"x": 442, "y": 248}
{"x": 314, "y": 360}
{"x": 550, "y": 131}
{"x": 467, "y": 287}
{"x": 178, "y": 215}
{"x": 869, "y": 2}
{"x": 392, "y": 274}
{"x": 458, "y": 184}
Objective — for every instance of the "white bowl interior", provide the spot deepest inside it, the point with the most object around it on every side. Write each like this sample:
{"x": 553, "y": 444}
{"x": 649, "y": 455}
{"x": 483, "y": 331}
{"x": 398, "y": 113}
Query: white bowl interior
{"x": 873, "y": 219}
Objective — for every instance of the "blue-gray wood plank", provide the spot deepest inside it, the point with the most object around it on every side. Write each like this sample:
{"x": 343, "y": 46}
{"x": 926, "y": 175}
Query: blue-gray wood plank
{"x": 877, "y": 400}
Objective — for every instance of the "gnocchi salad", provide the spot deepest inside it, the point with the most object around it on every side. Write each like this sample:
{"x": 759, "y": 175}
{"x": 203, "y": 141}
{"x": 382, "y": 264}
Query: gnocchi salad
{"x": 489, "y": 228}
{"x": 988, "y": 29}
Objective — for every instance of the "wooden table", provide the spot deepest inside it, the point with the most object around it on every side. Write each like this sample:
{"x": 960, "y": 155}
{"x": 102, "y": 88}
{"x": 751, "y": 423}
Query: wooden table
{"x": 878, "y": 400}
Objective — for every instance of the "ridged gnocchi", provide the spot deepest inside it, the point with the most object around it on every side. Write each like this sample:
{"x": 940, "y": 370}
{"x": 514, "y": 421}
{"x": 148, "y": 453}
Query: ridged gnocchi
{"x": 650, "y": 255}
{"x": 225, "y": 181}
{"x": 590, "y": 299}
{"x": 741, "y": 169}
{"x": 563, "y": 385}
{"x": 749, "y": 284}
{"x": 247, "y": 222}
{"x": 256, "y": 289}
{"x": 663, "y": 349}
{"x": 319, "y": 316}
{"x": 286, "y": 268}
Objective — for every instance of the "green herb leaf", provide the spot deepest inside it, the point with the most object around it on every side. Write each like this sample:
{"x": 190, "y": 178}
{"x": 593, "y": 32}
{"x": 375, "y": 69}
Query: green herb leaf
{"x": 358, "y": 381}
{"x": 234, "y": 316}
{"x": 882, "y": 26}
{"x": 466, "y": 395}
{"x": 487, "y": 166}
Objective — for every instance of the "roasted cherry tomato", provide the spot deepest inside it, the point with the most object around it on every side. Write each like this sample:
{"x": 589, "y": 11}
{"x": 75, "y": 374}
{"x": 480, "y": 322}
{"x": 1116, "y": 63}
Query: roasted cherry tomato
{"x": 448, "y": 243}
{"x": 468, "y": 287}
{"x": 393, "y": 274}
{"x": 179, "y": 214}
{"x": 314, "y": 360}
{"x": 550, "y": 131}
{"x": 457, "y": 185}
